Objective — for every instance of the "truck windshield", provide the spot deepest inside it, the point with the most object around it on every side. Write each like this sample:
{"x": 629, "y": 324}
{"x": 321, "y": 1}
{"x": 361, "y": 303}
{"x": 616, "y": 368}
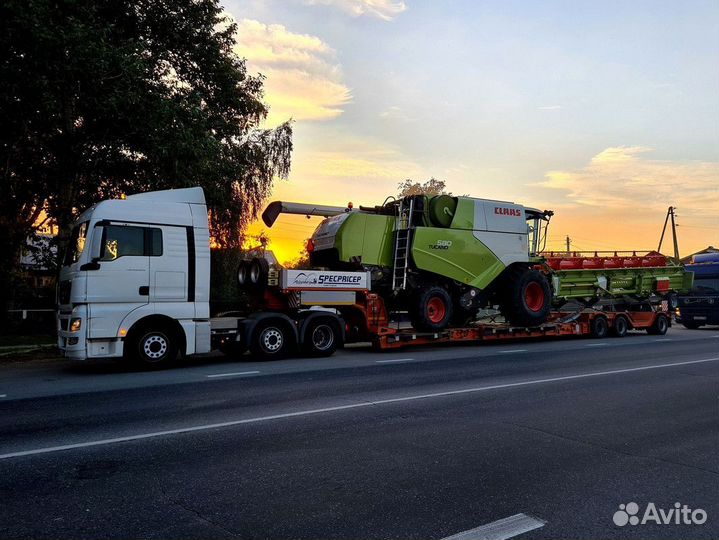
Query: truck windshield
{"x": 707, "y": 284}
{"x": 77, "y": 244}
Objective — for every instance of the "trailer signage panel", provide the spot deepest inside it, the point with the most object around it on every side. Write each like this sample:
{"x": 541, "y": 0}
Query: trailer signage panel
{"x": 321, "y": 279}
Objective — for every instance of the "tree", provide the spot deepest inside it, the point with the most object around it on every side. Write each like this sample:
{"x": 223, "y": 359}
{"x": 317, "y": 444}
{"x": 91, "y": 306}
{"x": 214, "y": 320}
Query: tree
{"x": 302, "y": 261}
{"x": 101, "y": 98}
{"x": 430, "y": 187}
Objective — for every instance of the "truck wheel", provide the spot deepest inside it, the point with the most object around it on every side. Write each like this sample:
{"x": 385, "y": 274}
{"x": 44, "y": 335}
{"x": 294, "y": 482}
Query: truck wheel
{"x": 526, "y": 297}
{"x": 691, "y": 325}
{"x": 599, "y": 327}
{"x": 621, "y": 326}
{"x": 152, "y": 348}
{"x": 321, "y": 338}
{"x": 660, "y": 326}
{"x": 270, "y": 340}
{"x": 431, "y": 310}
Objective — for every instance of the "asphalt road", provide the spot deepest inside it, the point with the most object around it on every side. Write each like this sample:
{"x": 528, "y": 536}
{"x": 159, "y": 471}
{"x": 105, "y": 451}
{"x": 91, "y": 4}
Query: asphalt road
{"x": 420, "y": 443}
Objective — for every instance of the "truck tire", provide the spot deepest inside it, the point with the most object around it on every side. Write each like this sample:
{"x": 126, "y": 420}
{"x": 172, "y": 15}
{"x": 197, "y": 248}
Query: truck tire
{"x": 431, "y": 310}
{"x": 599, "y": 327}
{"x": 660, "y": 326}
{"x": 620, "y": 327}
{"x": 151, "y": 347}
{"x": 525, "y": 298}
{"x": 691, "y": 325}
{"x": 322, "y": 337}
{"x": 270, "y": 340}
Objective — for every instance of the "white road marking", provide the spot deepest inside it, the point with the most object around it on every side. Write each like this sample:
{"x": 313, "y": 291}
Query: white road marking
{"x": 513, "y": 350}
{"x": 663, "y": 339}
{"x": 3, "y": 395}
{"x": 309, "y": 412}
{"x": 232, "y": 374}
{"x": 394, "y": 360}
{"x": 596, "y": 344}
{"x": 502, "y": 529}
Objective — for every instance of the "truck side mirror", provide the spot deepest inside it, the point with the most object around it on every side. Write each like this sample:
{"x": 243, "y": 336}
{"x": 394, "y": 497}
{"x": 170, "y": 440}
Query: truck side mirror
{"x": 95, "y": 249}
{"x": 96, "y": 245}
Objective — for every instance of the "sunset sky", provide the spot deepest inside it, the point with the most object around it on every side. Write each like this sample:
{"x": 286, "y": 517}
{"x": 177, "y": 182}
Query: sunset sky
{"x": 606, "y": 112}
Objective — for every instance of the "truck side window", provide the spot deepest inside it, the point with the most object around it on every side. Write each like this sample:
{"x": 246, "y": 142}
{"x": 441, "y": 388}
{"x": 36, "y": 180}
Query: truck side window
{"x": 155, "y": 247}
{"x": 120, "y": 241}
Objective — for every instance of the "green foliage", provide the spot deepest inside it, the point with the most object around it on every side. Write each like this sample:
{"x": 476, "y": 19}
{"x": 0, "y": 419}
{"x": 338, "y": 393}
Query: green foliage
{"x": 430, "y": 187}
{"x": 102, "y": 97}
{"x": 302, "y": 262}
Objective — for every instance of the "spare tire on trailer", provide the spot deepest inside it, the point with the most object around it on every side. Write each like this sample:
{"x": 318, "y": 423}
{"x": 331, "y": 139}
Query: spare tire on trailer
{"x": 243, "y": 274}
{"x": 259, "y": 271}
{"x": 431, "y": 309}
{"x": 525, "y": 297}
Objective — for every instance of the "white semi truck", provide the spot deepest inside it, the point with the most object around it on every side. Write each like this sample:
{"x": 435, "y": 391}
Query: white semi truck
{"x": 135, "y": 284}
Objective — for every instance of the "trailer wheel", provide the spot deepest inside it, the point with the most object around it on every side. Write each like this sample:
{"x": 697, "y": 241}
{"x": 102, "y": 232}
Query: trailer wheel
{"x": 660, "y": 326}
{"x": 621, "y": 326}
{"x": 270, "y": 340}
{"x": 599, "y": 327}
{"x": 151, "y": 347}
{"x": 526, "y": 297}
{"x": 322, "y": 338}
{"x": 431, "y": 310}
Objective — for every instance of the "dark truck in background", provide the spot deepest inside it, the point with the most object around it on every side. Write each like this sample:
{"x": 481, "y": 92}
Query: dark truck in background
{"x": 701, "y": 305}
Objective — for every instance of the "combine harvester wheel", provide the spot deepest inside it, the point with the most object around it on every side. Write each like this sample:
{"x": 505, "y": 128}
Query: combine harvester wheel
{"x": 526, "y": 298}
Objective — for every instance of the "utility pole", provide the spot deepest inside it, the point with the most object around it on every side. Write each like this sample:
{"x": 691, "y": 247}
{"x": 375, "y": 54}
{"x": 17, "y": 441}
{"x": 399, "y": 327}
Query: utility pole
{"x": 670, "y": 214}
{"x": 569, "y": 242}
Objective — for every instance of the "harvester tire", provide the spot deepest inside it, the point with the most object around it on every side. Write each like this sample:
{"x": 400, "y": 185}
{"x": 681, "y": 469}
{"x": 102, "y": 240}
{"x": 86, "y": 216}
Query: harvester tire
{"x": 525, "y": 298}
{"x": 431, "y": 310}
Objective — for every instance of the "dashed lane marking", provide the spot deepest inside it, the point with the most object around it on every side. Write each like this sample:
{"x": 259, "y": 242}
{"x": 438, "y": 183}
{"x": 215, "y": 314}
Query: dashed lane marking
{"x": 502, "y": 529}
{"x": 394, "y": 360}
{"x": 237, "y": 374}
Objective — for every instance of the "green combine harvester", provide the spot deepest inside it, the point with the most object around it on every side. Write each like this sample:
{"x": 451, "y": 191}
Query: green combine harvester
{"x": 443, "y": 258}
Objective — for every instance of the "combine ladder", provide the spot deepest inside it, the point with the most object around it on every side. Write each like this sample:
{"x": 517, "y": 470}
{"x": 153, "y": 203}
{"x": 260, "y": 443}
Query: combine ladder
{"x": 401, "y": 245}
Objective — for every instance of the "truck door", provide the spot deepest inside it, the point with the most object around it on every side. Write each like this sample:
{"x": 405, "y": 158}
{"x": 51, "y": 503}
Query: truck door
{"x": 169, "y": 267}
{"x": 121, "y": 281}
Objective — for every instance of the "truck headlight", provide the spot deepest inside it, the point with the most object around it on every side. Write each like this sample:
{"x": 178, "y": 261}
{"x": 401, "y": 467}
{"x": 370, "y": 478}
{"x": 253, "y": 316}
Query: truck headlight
{"x": 75, "y": 324}
{"x": 678, "y": 312}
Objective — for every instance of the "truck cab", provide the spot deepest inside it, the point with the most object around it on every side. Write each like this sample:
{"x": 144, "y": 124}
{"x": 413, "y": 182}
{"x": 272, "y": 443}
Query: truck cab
{"x": 136, "y": 275}
{"x": 701, "y": 305}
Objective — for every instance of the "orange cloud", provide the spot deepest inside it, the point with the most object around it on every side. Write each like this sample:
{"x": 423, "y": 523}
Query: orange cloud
{"x": 303, "y": 80}
{"x": 619, "y": 199}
